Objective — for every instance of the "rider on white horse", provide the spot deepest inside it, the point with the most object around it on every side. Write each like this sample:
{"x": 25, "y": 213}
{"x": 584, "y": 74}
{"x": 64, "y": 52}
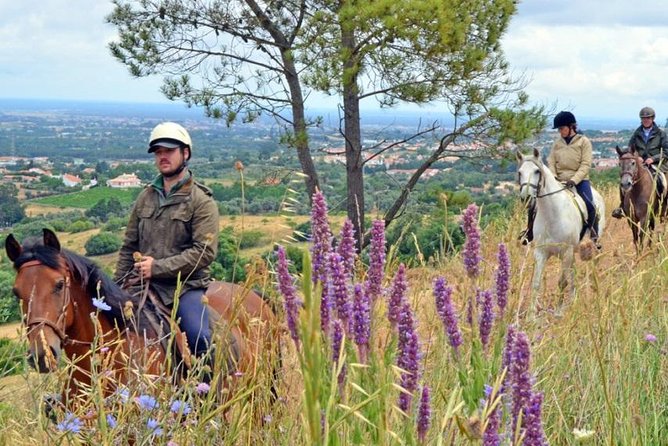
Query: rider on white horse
{"x": 651, "y": 144}
{"x": 570, "y": 161}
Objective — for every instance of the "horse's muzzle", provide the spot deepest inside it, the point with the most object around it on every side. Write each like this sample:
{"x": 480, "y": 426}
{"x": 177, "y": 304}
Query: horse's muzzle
{"x": 44, "y": 362}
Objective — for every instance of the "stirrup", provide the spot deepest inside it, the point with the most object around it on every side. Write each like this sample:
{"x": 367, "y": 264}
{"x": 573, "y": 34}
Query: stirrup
{"x": 618, "y": 212}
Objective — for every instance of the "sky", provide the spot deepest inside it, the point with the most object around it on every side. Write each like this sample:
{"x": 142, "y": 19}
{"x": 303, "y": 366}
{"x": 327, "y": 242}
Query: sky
{"x": 599, "y": 59}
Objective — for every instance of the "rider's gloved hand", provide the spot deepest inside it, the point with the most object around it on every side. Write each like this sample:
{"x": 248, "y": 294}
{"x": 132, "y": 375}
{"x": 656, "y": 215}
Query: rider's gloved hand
{"x": 570, "y": 184}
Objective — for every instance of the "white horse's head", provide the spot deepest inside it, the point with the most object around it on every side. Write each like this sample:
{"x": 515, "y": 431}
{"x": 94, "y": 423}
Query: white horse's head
{"x": 529, "y": 174}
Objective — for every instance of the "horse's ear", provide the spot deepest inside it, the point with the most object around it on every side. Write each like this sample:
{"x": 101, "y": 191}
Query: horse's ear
{"x": 632, "y": 149}
{"x": 50, "y": 239}
{"x": 536, "y": 153}
{"x": 12, "y": 247}
{"x": 518, "y": 155}
{"x": 619, "y": 151}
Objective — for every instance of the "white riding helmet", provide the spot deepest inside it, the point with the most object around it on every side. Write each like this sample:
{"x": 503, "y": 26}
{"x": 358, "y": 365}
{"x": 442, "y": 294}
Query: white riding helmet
{"x": 170, "y": 135}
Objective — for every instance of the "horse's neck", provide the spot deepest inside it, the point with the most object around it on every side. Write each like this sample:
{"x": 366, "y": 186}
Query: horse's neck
{"x": 83, "y": 328}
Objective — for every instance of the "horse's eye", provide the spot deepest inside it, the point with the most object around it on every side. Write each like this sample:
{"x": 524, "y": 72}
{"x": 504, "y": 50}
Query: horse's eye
{"x": 58, "y": 287}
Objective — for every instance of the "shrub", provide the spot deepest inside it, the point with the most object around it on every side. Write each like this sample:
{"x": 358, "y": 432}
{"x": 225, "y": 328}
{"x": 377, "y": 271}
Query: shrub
{"x": 81, "y": 226}
{"x": 250, "y": 239}
{"x": 103, "y": 243}
{"x": 9, "y": 306}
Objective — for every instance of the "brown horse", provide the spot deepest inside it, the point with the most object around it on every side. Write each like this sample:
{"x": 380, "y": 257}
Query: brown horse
{"x": 641, "y": 201}
{"x": 60, "y": 294}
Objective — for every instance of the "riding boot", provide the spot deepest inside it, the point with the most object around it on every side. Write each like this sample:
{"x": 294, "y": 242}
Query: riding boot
{"x": 526, "y": 236}
{"x": 618, "y": 212}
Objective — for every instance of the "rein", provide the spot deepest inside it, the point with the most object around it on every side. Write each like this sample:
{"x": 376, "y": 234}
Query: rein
{"x": 538, "y": 186}
{"x": 36, "y": 322}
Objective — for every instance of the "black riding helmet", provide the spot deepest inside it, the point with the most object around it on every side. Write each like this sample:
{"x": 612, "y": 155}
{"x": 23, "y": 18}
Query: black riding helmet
{"x": 563, "y": 118}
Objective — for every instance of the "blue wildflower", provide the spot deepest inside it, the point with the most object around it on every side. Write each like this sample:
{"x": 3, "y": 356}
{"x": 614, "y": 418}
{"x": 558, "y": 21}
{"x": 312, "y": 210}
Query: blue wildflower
{"x": 111, "y": 421}
{"x": 154, "y": 427}
{"x": 71, "y": 424}
{"x": 146, "y": 402}
{"x": 100, "y": 304}
{"x": 180, "y": 407}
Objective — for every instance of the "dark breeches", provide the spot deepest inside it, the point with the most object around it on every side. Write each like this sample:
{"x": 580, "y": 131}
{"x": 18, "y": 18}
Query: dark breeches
{"x": 584, "y": 190}
{"x": 194, "y": 321}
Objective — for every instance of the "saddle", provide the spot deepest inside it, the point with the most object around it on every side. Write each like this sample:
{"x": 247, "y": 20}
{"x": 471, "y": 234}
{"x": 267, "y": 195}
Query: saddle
{"x": 149, "y": 306}
{"x": 660, "y": 176}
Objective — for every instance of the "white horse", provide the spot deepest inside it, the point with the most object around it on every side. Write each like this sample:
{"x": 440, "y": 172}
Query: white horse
{"x": 561, "y": 215}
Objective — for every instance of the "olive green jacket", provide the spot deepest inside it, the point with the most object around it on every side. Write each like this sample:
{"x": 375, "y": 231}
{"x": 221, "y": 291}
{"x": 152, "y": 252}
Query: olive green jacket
{"x": 656, "y": 146}
{"x": 179, "y": 231}
{"x": 571, "y": 161}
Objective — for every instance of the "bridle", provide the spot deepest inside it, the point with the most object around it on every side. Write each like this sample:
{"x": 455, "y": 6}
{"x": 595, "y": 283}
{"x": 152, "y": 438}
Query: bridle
{"x": 58, "y": 327}
{"x": 635, "y": 176}
{"x": 541, "y": 181}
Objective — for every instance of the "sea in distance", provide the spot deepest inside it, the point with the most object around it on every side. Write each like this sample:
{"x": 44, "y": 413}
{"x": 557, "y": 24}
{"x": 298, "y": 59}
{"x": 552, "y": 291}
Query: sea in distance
{"x": 178, "y": 111}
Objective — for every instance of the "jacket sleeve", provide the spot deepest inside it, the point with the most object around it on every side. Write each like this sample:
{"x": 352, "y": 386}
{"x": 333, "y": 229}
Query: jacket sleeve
{"x": 585, "y": 162}
{"x": 551, "y": 162}
{"x": 662, "y": 154}
{"x": 130, "y": 244}
{"x": 205, "y": 226}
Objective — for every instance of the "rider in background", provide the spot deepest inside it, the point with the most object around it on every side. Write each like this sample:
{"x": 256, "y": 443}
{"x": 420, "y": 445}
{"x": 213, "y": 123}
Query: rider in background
{"x": 570, "y": 160}
{"x": 652, "y": 145}
{"x": 174, "y": 225}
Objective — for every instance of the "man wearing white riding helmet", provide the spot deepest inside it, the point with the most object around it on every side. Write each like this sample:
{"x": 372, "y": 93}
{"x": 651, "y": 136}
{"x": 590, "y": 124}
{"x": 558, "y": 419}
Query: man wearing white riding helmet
{"x": 174, "y": 226}
{"x": 652, "y": 145}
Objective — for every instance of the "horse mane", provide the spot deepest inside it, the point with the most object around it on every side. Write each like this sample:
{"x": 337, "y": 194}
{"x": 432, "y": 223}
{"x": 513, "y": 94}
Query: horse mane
{"x": 93, "y": 279}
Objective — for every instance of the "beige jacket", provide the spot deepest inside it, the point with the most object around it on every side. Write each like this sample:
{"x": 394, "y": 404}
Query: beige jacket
{"x": 571, "y": 161}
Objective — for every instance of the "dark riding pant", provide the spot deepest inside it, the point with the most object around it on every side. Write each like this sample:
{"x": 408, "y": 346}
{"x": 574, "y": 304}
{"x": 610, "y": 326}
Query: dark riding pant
{"x": 194, "y": 321}
{"x": 584, "y": 190}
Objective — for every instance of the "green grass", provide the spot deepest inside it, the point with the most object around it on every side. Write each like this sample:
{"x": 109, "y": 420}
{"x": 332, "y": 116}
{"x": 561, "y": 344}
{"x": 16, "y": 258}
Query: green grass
{"x": 87, "y": 199}
{"x": 593, "y": 363}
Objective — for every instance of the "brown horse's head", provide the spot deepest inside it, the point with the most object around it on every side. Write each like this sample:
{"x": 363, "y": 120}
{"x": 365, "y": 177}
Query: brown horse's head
{"x": 629, "y": 167}
{"x": 42, "y": 285}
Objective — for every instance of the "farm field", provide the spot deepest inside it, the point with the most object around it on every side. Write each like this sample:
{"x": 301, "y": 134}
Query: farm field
{"x": 599, "y": 360}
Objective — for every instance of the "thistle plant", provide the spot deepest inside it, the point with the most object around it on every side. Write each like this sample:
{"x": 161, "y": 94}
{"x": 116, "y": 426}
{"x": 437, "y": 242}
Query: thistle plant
{"x": 397, "y": 296}
{"x": 361, "y": 321}
{"x": 289, "y": 293}
{"x": 374, "y": 283}
{"x": 447, "y": 313}
{"x": 346, "y": 248}
{"x": 321, "y": 237}
{"x": 471, "y": 252}
{"x": 502, "y": 278}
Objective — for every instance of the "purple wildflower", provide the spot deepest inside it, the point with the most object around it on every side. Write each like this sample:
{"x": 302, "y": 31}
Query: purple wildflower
{"x": 321, "y": 237}
{"x": 123, "y": 394}
{"x": 502, "y": 277}
{"x": 326, "y": 305}
{"x": 424, "y": 414}
{"x": 181, "y": 407}
{"x": 471, "y": 251}
{"x": 486, "y": 319}
{"x": 346, "y": 247}
{"x": 337, "y": 345}
{"x": 202, "y": 388}
{"x": 101, "y": 304}
{"x": 649, "y": 337}
{"x": 397, "y": 295}
{"x": 374, "y": 283}
{"x": 339, "y": 290}
{"x": 289, "y": 292}
{"x": 520, "y": 376}
{"x": 491, "y": 435}
{"x": 447, "y": 313}
{"x": 361, "y": 321}
{"x": 531, "y": 419}
{"x": 146, "y": 402}
{"x": 409, "y": 356}
{"x": 71, "y": 424}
